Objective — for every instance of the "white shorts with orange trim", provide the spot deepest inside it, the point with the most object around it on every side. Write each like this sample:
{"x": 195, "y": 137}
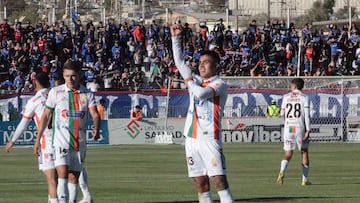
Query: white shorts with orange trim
{"x": 293, "y": 136}
{"x": 46, "y": 159}
{"x": 204, "y": 157}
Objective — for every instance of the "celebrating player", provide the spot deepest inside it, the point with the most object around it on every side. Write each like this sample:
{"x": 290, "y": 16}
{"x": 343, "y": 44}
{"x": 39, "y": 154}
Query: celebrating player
{"x": 33, "y": 110}
{"x": 70, "y": 103}
{"x": 296, "y": 110}
{"x": 203, "y": 146}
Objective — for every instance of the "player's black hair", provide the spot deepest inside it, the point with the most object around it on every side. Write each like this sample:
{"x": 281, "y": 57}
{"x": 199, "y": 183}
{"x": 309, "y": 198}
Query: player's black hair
{"x": 298, "y": 82}
{"x": 102, "y": 101}
{"x": 214, "y": 55}
{"x": 72, "y": 65}
{"x": 43, "y": 79}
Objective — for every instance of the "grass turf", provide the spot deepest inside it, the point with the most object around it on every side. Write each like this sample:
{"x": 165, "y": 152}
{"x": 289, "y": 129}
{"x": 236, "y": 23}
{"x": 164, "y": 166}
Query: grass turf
{"x": 156, "y": 173}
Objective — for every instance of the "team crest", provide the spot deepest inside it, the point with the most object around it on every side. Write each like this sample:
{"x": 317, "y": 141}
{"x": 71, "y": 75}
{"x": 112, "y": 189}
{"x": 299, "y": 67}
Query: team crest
{"x": 214, "y": 162}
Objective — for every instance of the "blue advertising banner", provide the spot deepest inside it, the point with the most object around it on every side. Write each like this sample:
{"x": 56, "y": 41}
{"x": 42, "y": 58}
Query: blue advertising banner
{"x": 7, "y": 129}
{"x": 240, "y": 103}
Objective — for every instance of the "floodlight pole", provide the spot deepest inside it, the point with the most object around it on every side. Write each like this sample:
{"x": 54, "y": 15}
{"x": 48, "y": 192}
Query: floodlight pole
{"x": 299, "y": 56}
{"x": 349, "y": 7}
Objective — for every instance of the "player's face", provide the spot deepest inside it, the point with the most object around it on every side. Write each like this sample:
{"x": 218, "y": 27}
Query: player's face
{"x": 293, "y": 86}
{"x": 72, "y": 79}
{"x": 207, "y": 67}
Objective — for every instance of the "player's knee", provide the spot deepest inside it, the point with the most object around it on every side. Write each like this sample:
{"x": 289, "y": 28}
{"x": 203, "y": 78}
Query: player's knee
{"x": 202, "y": 184}
{"x": 73, "y": 177}
{"x": 220, "y": 182}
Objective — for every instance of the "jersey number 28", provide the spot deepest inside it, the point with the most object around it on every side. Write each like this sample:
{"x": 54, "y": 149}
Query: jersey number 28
{"x": 293, "y": 110}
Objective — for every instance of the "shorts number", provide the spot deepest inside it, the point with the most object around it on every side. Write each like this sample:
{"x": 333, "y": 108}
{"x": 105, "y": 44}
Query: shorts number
{"x": 190, "y": 161}
{"x": 293, "y": 110}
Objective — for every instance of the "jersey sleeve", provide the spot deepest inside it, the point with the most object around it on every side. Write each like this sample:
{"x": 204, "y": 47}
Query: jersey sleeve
{"x": 178, "y": 58}
{"x": 20, "y": 128}
{"x": 307, "y": 113}
{"x": 91, "y": 101}
{"x": 215, "y": 89}
{"x": 50, "y": 101}
{"x": 29, "y": 110}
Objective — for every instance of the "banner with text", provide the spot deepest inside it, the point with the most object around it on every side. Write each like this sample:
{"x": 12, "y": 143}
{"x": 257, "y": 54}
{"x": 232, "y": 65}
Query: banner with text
{"x": 240, "y": 103}
{"x": 247, "y": 130}
{"x": 7, "y": 129}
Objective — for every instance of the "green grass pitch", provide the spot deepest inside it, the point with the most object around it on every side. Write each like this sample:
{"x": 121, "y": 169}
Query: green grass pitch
{"x": 157, "y": 173}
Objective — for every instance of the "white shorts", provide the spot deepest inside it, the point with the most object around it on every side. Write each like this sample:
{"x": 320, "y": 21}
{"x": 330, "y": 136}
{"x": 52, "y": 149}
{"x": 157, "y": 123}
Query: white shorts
{"x": 204, "y": 157}
{"x": 71, "y": 158}
{"x": 46, "y": 159}
{"x": 293, "y": 136}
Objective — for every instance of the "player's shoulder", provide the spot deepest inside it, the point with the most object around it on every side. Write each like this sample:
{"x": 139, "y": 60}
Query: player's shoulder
{"x": 58, "y": 89}
{"x": 218, "y": 82}
{"x": 84, "y": 89}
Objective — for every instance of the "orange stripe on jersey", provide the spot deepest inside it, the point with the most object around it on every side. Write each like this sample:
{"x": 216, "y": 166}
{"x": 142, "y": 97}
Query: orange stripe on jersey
{"x": 92, "y": 107}
{"x": 216, "y": 117}
{"x": 195, "y": 122}
{"x": 37, "y": 123}
{"x": 76, "y": 121}
{"x": 205, "y": 84}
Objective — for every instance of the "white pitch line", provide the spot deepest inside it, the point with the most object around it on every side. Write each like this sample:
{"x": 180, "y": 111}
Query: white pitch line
{"x": 23, "y": 183}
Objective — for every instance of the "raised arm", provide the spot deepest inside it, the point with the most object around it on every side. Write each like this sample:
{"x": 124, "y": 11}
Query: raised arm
{"x": 176, "y": 32}
{"x": 207, "y": 92}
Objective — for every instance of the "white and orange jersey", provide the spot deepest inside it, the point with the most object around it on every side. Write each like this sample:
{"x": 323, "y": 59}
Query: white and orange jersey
{"x": 70, "y": 115}
{"x": 207, "y": 101}
{"x": 295, "y": 108}
{"x": 33, "y": 110}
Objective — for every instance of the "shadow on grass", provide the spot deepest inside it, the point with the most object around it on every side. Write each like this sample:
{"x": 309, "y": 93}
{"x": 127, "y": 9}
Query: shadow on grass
{"x": 263, "y": 199}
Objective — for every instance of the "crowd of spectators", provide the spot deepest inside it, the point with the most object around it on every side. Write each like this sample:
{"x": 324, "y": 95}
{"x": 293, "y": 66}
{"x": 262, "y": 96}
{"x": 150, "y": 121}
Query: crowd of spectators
{"x": 134, "y": 56}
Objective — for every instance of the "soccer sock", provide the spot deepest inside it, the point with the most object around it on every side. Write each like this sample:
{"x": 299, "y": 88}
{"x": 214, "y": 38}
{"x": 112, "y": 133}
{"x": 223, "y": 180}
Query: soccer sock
{"x": 205, "y": 197}
{"x": 226, "y": 196}
{"x": 284, "y": 164}
{"x": 53, "y": 200}
{"x": 62, "y": 190}
{"x": 83, "y": 183}
{"x": 305, "y": 170}
{"x": 73, "y": 190}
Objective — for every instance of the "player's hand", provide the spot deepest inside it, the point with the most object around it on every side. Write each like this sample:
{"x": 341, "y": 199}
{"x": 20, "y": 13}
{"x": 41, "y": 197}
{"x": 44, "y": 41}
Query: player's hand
{"x": 306, "y": 137}
{"x": 37, "y": 148}
{"x": 9, "y": 145}
{"x": 96, "y": 134}
{"x": 176, "y": 30}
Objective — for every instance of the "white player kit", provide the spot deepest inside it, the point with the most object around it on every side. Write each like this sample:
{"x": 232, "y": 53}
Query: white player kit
{"x": 69, "y": 119}
{"x": 296, "y": 110}
{"x": 203, "y": 146}
{"x": 33, "y": 110}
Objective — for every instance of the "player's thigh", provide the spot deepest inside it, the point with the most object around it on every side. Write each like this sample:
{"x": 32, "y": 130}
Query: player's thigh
{"x": 62, "y": 156}
{"x": 47, "y": 159}
{"x": 299, "y": 139}
{"x": 289, "y": 141}
{"x": 211, "y": 153}
{"x": 195, "y": 164}
{"x": 76, "y": 162}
